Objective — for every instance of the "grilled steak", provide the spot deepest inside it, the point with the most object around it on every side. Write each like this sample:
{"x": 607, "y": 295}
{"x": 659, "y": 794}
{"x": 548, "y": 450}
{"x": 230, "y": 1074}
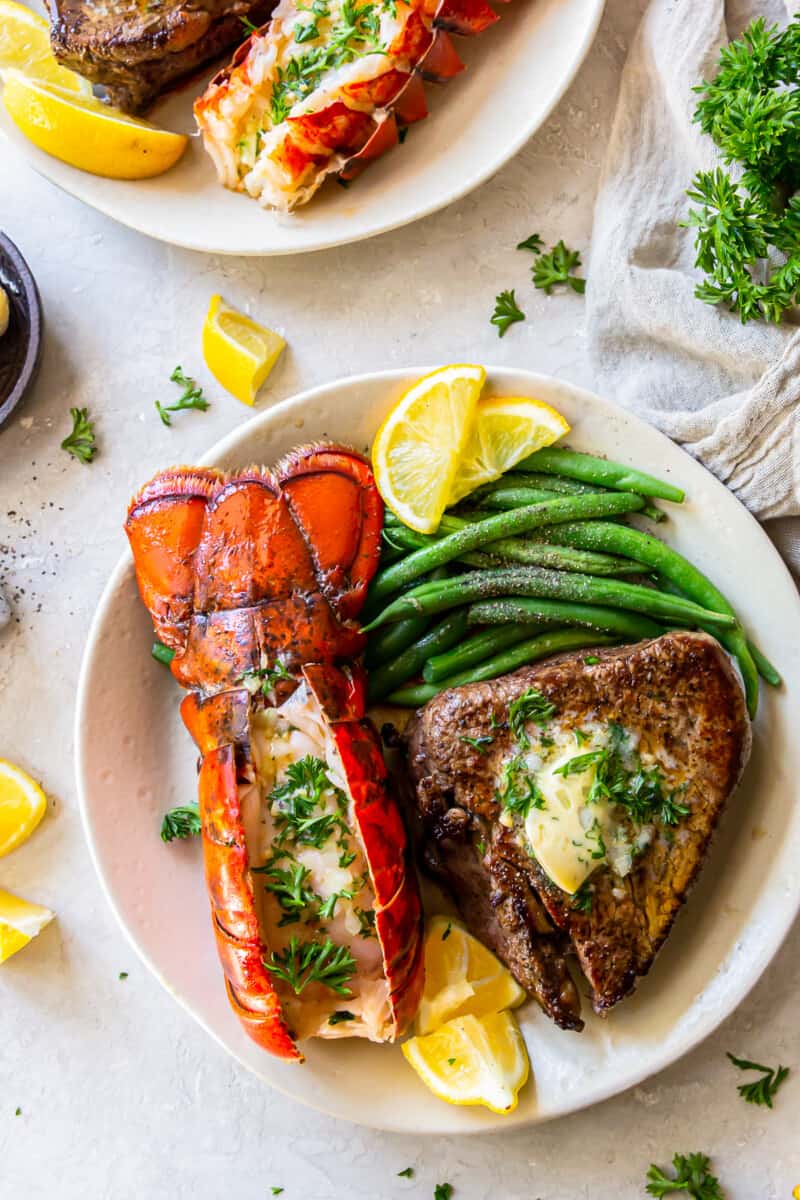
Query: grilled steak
{"x": 662, "y": 739}
{"x": 137, "y": 48}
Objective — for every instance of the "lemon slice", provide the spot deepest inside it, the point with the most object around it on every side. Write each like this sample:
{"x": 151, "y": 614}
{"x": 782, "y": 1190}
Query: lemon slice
{"x": 504, "y": 431}
{"x": 22, "y": 805}
{"x": 84, "y": 132}
{"x": 418, "y": 448}
{"x": 239, "y": 352}
{"x": 462, "y": 977}
{"x": 473, "y": 1060}
{"x": 25, "y": 46}
{"x": 20, "y": 922}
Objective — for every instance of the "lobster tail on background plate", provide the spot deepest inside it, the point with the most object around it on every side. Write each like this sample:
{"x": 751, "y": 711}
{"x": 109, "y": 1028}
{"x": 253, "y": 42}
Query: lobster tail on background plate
{"x": 256, "y": 581}
{"x": 325, "y": 87}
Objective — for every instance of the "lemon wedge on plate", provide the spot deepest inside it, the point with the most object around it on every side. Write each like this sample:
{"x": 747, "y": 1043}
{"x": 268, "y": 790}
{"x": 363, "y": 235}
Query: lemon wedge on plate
{"x": 84, "y": 132}
{"x": 462, "y": 977}
{"x": 20, "y": 922}
{"x": 417, "y": 450}
{"x": 238, "y": 351}
{"x": 22, "y": 806}
{"x": 25, "y": 46}
{"x": 473, "y": 1060}
{"x": 504, "y": 431}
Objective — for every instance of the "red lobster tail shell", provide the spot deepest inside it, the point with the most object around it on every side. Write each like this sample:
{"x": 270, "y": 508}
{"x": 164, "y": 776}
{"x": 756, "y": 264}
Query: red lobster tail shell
{"x": 275, "y": 565}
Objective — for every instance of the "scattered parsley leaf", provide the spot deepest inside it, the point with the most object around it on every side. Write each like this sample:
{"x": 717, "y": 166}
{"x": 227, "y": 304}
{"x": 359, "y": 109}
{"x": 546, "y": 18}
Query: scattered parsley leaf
{"x": 192, "y": 397}
{"x": 81, "y": 442}
{"x": 581, "y": 763}
{"x": 518, "y": 792}
{"x": 452, "y": 1062}
{"x": 406, "y": 1173}
{"x": 123, "y": 974}
{"x": 480, "y": 743}
{"x": 762, "y": 1090}
{"x": 342, "y": 1015}
{"x": 691, "y": 1176}
{"x": 582, "y": 899}
{"x": 263, "y": 679}
{"x": 181, "y": 822}
{"x": 248, "y": 26}
{"x": 592, "y": 660}
{"x": 18, "y": 1113}
{"x": 534, "y": 243}
{"x": 302, "y": 963}
{"x": 506, "y": 312}
{"x": 530, "y": 706}
{"x": 275, "y": 1191}
{"x": 447, "y": 931}
{"x": 443, "y": 1191}
{"x": 550, "y": 270}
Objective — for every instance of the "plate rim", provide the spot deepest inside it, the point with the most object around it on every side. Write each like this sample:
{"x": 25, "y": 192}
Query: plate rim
{"x": 707, "y": 1023}
{"x": 473, "y": 181}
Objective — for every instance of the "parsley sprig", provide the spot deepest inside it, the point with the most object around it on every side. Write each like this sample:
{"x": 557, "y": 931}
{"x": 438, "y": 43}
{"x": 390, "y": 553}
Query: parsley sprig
{"x": 532, "y": 705}
{"x": 80, "y": 443}
{"x": 760, "y": 1091}
{"x": 263, "y": 679}
{"x": 506, "y": 312}
{"x": 192, "y": 397}
{"x": 182, "y": 822}
{"x": 533, "y": 243}
{"x": 692, "y": 1175}
{"x": 751, "y": 109}
{"x": 302, "y": 963}
{"x": 518, "y": 792}
{"x": 297, "y": 805}
{"x": 557, "y": 267}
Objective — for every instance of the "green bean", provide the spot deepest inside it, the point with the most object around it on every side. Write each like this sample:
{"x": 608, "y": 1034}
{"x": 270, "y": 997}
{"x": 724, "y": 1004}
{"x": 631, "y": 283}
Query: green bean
{"x": 554, "y": 585}
{"x": 515, "y": 610}
{"x": 408, "y": 664}
{"x": 517, "y": 496}
{"x": 531, "y": 650}
{"x": 387, "y": 643}
{"x": 764, "y": 666}
{"x": 530, "y": 551}
{"x": 622, "y": 539}
{"x": 505, "y": 524}
{"x": 476, "y": 650}
{"x": 162, "y": 653}
{"x": 554, "y": 460}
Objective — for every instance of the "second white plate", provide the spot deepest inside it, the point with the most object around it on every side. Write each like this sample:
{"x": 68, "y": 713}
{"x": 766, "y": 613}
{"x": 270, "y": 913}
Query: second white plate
{"x": 517, "y": 72}
{"x": 134, "y": 760}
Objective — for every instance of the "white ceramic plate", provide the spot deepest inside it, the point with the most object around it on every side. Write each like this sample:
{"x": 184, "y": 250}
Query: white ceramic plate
{"x": 134, "y": 760}
{"x": 517, "y": 72}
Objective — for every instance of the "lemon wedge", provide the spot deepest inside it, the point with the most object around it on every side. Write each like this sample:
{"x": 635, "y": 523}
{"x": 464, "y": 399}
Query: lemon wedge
{"x": 417, "y": 450}
{"x": 238, "y": 351}
{"x": 505, "y": 430}
{"x": 462, "y": 977}
{"x": 473, "y": 1060}
{"x": 20, "y": 922}
{"x": 84, "y": 132}
{"x": 25, "y": 46}
{"x": 22, "y": 806}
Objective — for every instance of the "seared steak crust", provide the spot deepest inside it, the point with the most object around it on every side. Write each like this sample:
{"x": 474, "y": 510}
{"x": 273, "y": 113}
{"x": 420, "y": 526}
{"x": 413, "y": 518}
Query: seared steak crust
{"x": 137, "y": 48}
{"x": 681, "y": 698}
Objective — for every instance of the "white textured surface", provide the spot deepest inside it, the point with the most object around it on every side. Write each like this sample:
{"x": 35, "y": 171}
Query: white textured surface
{"x": 122, "y": 1095}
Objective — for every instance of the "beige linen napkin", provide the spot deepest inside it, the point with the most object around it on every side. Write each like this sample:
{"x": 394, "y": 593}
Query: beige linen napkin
{"x": 729, "y": 393}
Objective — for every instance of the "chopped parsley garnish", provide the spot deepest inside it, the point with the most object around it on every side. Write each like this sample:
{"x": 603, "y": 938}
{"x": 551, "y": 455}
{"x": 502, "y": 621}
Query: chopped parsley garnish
{"x": 181, "y": 822}
{"x": 530, "y": 706}
{"x": 583, "y": 899}
{"x": 296, "y": 805}
{"x": 518, "y": 792}
{"x": 247, "y": 25}
{"x": 346, "y": 858}
{"x": 366, "y": 920}
{"x": 506, "y": 312}
{"x": 443, "y": 1191}
{"x": 342, "y": 1015}
{"x": 692, "y": 1176}
{"x": 451, "y": 1062}
{"x": 406, "y": 1173}
{"x": 289, "y": 887}
{"x": 581, "y": 763}
{"x": 760, "y": 1091}
{"x": 592, "y": 660}
{"x": 192, "y": 397}
{"x": 550, "y": 270}
{"x": 354, "y": 35}
{"x": 480, "y": 743}
{"x": 306, "y": 33}
{"x": 275, "y": 1191}
{"x": 447, "y": 931}
{"x": 581, "y": 738}
{"x": 534, "y": 243}
{"x": 263, "y": 679}
{"x": 18, "y": 1113}
{"x": 123, "y": 974}
{"x": 303, "y": 963}
{"x": 80, "y": 443}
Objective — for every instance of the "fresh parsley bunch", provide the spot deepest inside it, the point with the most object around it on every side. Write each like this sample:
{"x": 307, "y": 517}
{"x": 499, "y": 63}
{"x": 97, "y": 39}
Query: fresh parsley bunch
{"x": 747, "y": 230}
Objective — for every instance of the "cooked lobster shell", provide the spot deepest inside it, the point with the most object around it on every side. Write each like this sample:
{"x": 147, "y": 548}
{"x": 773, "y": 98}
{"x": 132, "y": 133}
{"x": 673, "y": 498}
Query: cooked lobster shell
{"x": 263, "y": 567}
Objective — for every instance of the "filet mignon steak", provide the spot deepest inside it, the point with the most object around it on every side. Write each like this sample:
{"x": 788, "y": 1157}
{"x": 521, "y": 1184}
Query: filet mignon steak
{"x": 653, "y": 739}
{"x": 137, "y": 48}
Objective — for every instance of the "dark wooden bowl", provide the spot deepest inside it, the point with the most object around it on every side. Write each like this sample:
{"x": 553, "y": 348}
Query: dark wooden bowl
{"x": 21, "y": 344}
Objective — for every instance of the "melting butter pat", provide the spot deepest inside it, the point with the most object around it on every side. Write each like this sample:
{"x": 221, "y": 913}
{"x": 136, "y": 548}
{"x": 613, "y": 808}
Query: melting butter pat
{"x": 567, "y": 835}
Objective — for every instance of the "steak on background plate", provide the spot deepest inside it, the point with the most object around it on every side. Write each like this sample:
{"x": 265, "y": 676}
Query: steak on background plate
{"x": 137, "y": 48}
{"x": 662, "y": 739}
